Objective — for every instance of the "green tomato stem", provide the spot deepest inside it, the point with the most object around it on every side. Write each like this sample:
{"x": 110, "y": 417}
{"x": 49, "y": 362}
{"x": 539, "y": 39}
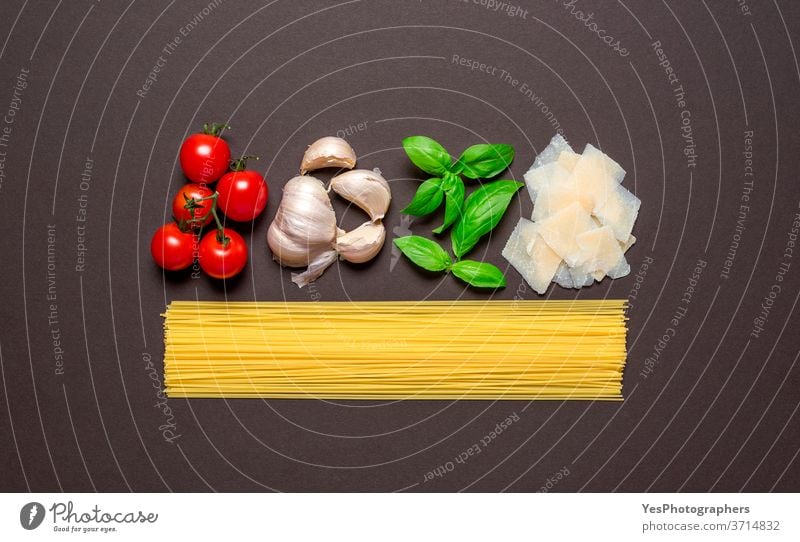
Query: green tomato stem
{"x": 215, "y": 128}
{"x": 240, "y": 164}
{"x": 221, "y": 237}
{"x": 193, "y": 204}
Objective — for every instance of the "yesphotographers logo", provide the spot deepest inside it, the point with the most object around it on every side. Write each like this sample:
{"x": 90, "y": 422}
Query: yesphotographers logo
{"x": 31, "y": 515}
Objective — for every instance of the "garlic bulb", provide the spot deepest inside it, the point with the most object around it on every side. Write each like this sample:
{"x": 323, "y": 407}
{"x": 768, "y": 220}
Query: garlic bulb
{"x": 362, "y": 244}
{"x": 304, "y": 229}
{"x": 328, "y": 152}
{"x": 367, "y": 189}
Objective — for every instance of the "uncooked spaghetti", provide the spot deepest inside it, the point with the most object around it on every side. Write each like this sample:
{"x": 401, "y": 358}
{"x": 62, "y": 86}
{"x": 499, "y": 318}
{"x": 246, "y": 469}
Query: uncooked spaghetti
{"x": 395, "y": 350}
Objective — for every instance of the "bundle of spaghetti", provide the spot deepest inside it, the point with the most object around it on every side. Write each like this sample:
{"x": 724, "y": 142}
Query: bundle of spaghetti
{"x": 395, "y": 350}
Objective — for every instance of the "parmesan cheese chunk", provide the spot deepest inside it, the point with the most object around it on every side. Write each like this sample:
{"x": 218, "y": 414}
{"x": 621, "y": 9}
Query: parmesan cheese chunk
{"x": 563, "y": 277}
{"x": 622, "y": 269}
{"x": 537, "y": 179}
{"x": 553, "y": 164}
{"x": 619, "y": 212}
{"x": 595, "y": 177}
{"x": 561, "y": 229}
{"x": 552, "y": 151}
{"x": 601, "y": 161}
{"x": 527, "y": 252}
{"x": 555, "y": 196}
{"x": 582, "y": 219}
{"x": 567, "y": 277}
{"x": 599, "y": 252}
{"x": 568, "y": 159}
{"x": 581, "y": 278}
{"x": 627, "y": 244}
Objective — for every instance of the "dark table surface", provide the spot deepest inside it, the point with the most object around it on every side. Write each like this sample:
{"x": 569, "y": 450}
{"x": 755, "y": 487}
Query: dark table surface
{"x": 697, "y": 101}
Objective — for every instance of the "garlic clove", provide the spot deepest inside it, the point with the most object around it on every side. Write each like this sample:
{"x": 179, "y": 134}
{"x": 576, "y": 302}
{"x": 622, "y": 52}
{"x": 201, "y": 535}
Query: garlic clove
{"x": 363, "y": 243}
{"x": 367, "y": 189}
{"x": 328, "y": 152}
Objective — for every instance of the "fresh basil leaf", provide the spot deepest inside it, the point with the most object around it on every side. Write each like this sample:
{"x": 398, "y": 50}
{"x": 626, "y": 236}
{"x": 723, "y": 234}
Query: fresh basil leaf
{"x": 427, "y": 199}
{"x": 482, "y": 212}
{"x": 457, "y": 167}
{"x": 424, "y": 252}
{"x": 454, "y": 203}
{"x": 479, "y": 274}
{"x": 449, "y": 180}
{"x": 427, "y": 154}
{"x": 484, "y": 161}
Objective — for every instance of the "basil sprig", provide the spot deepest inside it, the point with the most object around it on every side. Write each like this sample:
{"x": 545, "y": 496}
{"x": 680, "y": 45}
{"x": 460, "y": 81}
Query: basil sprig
{"x": 430, "y": 255}
{"x": 482, "y": 161}
{"x": 472, "y": 219}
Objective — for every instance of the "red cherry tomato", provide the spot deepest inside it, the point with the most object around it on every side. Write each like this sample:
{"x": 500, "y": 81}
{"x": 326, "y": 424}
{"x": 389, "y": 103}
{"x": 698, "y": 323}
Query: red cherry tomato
{"x": 205, "y": 156}
{"x": 242, "y": 192}
{"x": 188, "y": 192}
{"x": 223, "y": 260}
{"x": 172, "y": 248}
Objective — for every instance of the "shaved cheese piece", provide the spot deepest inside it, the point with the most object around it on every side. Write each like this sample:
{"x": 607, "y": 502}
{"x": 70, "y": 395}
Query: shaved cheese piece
{"x": 546, "y": 264}
{"x": 563, "y": 277}
{"x": 583, "y": 218}
{"x": 619, "y": 212}
{"x": 568, "y": 159}
{"x": 620, "y": 270}
{"x": 599, "y": 252}
{"x": 595, "y": 177}
{"x": 561, "y": 229}
{"x": 567, "y": 277}
{"x": 603, "y": 162}
{"x": 549, "y": 167}
{"x": 516, "y": 252}
{"x": 537, "y": 178}
{"x": 552, "y": 151}
{"x": 522, "y": 238}
{"x": 531, "y": 256}
{"x": 554, "y": 197}
{"x": 627, "y": 244}
{"x": 580, "y": 278}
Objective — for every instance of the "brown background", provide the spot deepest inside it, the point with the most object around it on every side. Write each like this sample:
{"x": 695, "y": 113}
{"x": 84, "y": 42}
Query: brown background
{"x": 719, "y": 411}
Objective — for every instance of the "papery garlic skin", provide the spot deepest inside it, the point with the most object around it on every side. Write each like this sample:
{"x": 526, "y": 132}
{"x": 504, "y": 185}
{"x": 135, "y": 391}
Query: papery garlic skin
{"x": 305, "y": 223}
{"x": 316, "y": 267}
{"x": 367, "y": 189}
{"x": 363, "y": 243}
{"x": 328, "y": 151}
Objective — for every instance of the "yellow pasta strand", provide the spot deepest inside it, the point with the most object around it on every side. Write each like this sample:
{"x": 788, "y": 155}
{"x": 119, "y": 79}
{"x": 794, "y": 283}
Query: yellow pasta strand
{"x": 396, "y": 350}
